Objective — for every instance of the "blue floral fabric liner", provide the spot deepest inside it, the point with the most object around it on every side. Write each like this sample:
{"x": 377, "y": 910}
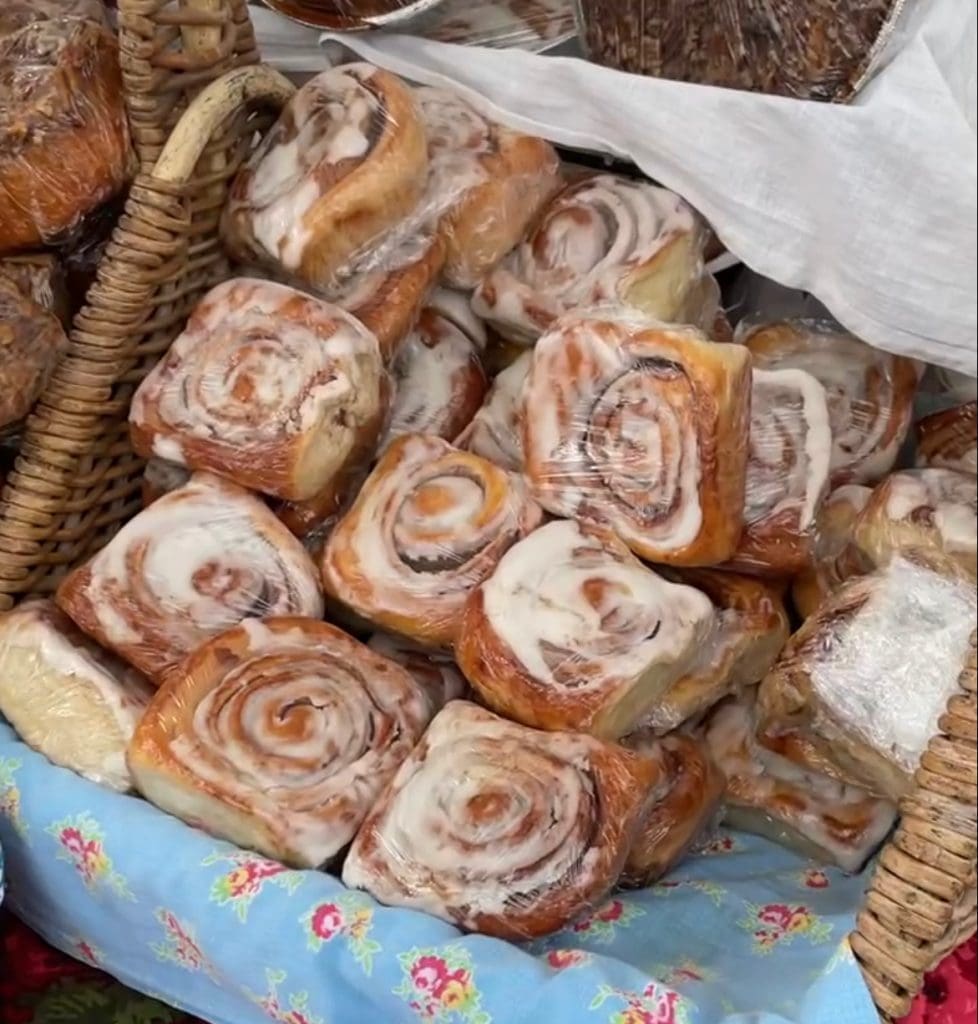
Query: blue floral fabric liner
{"x": 744, "y": 932}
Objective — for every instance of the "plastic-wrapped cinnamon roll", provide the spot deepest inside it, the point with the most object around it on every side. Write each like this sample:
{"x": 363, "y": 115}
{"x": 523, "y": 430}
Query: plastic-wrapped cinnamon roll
{"x": 279, "y": 734}
{"x": 501, "y": 829}
{"x": 949, "y": 439}
{"x": 496, "y": 430}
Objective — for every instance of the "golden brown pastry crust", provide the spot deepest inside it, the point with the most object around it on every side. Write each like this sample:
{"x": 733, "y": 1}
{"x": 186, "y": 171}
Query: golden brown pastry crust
{"x": 64, "y": 141}
{"x": 527, "y": 865}
{"x": 948, "y": 439}
{"x": 684, "y": 802}
{"x": 40, "y": 277}
{"x": 644, "y": 428}
{"x": 279, "y": 735}
{"x": 427, "y": 527}
{"x": 196, "y": 562}
{"x": 346, "y": 162}
{"x": 31, "y": 339}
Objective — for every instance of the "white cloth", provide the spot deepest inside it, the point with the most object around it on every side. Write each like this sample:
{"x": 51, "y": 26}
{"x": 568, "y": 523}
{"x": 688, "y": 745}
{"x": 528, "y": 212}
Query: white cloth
{"x": 870, "y": 207}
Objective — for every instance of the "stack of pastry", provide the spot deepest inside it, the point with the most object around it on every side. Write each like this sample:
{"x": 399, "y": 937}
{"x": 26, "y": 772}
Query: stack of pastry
{"x": 552, "y": 596}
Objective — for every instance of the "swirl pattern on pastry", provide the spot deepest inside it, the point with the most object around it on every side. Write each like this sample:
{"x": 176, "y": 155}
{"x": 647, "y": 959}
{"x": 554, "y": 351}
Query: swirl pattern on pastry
{"x": 787, "y": 471}
{"x": 346, "y": 162}
{"x": 683, "y": 802}
{"x": 279, "y": 735}
{"x": 197, "y": 561}
{"x": 438, "y": 377}
{"x": 603, "y": 239}
{"x": 501, "y": 829}
{"x": 870, "y": 393}
{"x": 643, "y": 427}
{"x": 949, "y": 439}
{"x": 429, "y": 526}
{"x": 267, "y": 386}
{"x": 496, "y": 430}
{"x": 571, "y": 631}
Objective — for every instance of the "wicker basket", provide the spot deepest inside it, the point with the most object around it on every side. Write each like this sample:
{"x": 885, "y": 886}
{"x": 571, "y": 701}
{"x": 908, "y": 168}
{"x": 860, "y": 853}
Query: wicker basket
{"x": 77, "y": 480}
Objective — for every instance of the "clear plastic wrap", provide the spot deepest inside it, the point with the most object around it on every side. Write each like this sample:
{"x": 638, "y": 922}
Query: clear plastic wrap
{"x": 274, "y": 389}
{"x": 821, "y": 50}
{"x": 41, "y": 278}
{"x": 524, "y": 24}
{"x": 496, "y": 430}
{"x": 749, "y": 629}
{"x": 280, "y": 735}
{"x": 65, "y": 696}
{"x": 921, "y": 510}
{"x": 197, "y": 561}
{"x": 429, "y": 526}
{"x": 64, "y": 142}
{"x": 644, "y": 427}
{"x": 859, "y": 689}
{"x": 787, "y": 472}
{"x": 870, "y": 392}
{"x": 949, "y": 439}
{"x": 835, "y": 557}
{"x": 767, "y": 794}
{"x": 502, "y": 829}
{"x": 439, "y": 380}
{"x": 357, "y": 15}
{"x": 603, "y": 239}
{"x": 31, "y": 339}
{"x": 434, "y": 671}
{"x": 571, "y": 631}
{"x": 683, "y": 801}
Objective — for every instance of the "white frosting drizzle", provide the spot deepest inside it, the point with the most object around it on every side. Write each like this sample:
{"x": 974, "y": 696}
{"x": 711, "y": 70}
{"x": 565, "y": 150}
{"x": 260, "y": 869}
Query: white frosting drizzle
{"x": 435, "y": 371}
{"x": 491, "y": 816}
{"x": 261, "y": 363}
{"x": 332, "y": 116}
{"x": 611, "y": 433}
{"x": 790, "y": 446}
{"x": 580, "y": 613}
{"x": 197, "y": 561}
{"x": 435, "y": 672}
{"x": 496, "y": 432}
{"x": 950, "y": 498}
{"x": 590, "y": 239}
{"x": 428, "y": 526}
{"x": 310, "y": 726}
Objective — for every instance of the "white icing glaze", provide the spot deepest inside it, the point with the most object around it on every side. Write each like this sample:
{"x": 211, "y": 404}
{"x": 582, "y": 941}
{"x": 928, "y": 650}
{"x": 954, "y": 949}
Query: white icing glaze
{"x": 790, "y": 446}
{"x": 591, "y": 237}
{"x": 610, "y": 433}
{"x": 951, "y": 497}
{"x": 579, "y": 612}
{"x": 310, "y": 727}
{"x": 456, "y": 306}
{"x": 453, "y": 837}
{"x": 496, "y": 432}
{"x": 197, "y": 561}
{"x": 333, "y": 117}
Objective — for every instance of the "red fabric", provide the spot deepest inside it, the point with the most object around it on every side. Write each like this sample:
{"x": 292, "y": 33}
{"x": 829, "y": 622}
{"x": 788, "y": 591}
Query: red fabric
{"x": 950, "y": 993}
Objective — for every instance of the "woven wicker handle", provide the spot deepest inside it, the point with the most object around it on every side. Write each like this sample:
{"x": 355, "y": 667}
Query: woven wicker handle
{"x": 211, "y": 109}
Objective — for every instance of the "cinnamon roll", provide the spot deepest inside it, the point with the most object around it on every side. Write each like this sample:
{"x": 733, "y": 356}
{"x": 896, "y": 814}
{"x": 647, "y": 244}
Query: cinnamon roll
{"x": 870, "y": 393}
{"x": 603, "y": 239}
{"x": 65, "y": 696}
{"x": 572, "y": 632}
{"x": 31, "y": 340}
{"x": 439, "y": 382}
{"x": 64, "y": 140}
{"x": 835, "y": 557}
{"x": 496, "y": 430}
{"x": 921, "y": 510}
{"x": 40, "y": 276}
{"x": 197, "y": 561}
{"x": 434, "y": 671}
{"x": 501, "y": 829}
{"x": 490, "y": 181}
{"x": 766, "y": 794}
{"x": 279, "y": 735}
{"x": 949, "y": 439}
{"x": 683, "y": 802}
{"x": 429, "y": 526}
{"x": 346, "y": 162}
{"x": 858, "y": 691}
{"x": 267, "y": 386}
{"x": 748, "y": 631}
{"x": 643, "y": 427}
{"x": 787, "y": 472}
